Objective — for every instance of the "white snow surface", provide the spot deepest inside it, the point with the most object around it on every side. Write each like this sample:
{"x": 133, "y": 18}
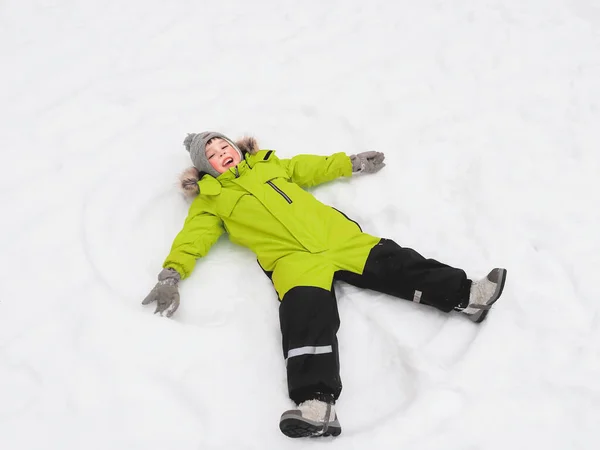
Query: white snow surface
{"x": 488, "y": 112}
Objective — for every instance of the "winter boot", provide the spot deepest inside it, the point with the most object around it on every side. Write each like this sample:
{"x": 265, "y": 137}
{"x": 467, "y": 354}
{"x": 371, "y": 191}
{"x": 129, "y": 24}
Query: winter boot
{"x": 483, "y": 294}
{"x": 312, "y": 418}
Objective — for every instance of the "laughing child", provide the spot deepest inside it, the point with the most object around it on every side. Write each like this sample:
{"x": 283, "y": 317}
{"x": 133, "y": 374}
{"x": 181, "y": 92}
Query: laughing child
{"x": 304, "y": 246}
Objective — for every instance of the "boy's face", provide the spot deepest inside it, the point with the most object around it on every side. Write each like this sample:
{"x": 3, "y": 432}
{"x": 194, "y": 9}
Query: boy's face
{"x": 221, "y": 155}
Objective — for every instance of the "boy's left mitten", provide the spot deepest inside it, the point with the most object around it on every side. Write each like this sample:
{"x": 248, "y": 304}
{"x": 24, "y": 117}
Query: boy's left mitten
{"x": 367, "y": 162}
{"x": 165, "y": 293}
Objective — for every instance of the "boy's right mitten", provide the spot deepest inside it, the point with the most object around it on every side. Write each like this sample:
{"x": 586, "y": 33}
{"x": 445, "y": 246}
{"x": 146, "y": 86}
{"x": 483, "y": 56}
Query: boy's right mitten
{"x": 165, "y": 293}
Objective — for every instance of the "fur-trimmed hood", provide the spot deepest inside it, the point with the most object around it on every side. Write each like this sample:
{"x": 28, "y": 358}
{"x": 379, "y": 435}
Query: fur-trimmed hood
{"x": 188, "y": 180}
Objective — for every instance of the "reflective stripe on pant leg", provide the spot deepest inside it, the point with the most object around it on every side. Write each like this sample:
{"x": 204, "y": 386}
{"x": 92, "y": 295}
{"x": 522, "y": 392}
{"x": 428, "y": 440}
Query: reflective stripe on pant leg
{"x": 309, "y": 351}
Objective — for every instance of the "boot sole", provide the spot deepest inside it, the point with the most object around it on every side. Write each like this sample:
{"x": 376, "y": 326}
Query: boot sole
{"x": 480, "y": 316}
{"x": 297, "y": 427}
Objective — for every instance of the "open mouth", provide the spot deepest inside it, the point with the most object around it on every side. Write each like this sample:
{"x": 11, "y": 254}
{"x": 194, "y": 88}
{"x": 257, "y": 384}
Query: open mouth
{"x": 228, "y": 162}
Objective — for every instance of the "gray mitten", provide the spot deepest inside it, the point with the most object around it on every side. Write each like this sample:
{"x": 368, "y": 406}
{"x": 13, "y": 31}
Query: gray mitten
{"x": 165, "y": 293}
{"x": 367, "y": 162}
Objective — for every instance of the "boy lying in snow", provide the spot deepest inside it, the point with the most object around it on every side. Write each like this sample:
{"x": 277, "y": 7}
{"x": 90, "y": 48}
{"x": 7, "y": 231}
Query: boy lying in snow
{"x": 303, "y": 246}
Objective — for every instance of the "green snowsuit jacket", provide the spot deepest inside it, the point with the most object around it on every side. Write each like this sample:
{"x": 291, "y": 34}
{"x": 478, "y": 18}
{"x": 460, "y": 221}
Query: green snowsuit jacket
{"x": 262, "y": 206}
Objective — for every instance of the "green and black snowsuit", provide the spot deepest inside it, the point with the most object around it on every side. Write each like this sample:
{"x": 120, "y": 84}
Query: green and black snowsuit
{"x": 303, "y": 245}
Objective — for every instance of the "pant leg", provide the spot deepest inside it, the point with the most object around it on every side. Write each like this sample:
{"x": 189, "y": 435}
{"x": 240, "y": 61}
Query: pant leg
{"x": 309, "y": 322}
{"x": 404, "y": 273}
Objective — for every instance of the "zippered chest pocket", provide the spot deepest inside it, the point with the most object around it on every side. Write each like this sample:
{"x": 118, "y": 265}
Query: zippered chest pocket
{"x": 280, "y": 192}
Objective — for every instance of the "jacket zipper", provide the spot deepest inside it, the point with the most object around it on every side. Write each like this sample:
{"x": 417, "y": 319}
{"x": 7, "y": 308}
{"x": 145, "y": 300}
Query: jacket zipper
{"x": 287, "y": 199}
{"x": 353, "y": 221}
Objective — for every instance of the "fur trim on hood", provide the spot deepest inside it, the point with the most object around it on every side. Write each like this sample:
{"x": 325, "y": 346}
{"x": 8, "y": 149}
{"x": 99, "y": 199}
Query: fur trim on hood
{"x": 188, "y": 180}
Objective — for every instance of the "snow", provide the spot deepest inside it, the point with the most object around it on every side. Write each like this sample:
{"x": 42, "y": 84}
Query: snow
{"x": 488, "y": 113}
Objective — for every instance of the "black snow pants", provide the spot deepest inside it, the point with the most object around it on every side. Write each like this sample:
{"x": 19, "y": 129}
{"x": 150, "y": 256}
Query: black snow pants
{"x": 309, "y": 316}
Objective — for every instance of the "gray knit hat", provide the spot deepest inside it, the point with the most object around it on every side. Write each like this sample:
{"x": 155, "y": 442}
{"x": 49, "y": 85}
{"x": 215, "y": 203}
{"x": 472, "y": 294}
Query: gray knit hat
{"x": 195, "y": 143}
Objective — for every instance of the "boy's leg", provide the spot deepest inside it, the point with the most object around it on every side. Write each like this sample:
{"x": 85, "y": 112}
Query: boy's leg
{"x": 404, "y": 273}
{"x": 309, "y": 322}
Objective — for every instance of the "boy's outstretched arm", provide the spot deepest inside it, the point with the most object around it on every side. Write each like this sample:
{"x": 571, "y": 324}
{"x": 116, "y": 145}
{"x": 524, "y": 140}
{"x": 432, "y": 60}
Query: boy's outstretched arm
{"x": 200, "y": 231}
{"x": 311, "y": 170}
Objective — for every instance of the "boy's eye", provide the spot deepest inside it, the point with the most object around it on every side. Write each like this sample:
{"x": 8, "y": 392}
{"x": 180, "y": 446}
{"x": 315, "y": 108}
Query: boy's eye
{"x": 211, "y": 156}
